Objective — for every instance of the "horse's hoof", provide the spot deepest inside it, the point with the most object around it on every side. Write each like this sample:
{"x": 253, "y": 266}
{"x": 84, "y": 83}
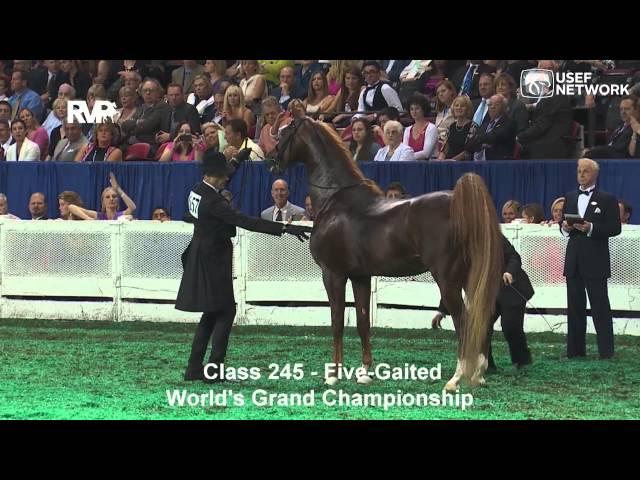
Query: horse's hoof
{"x": 478, "y": 382}
{"x": 451, "y": 387}
{"x": 365, "y": 380}
{"x": 331, "y": 381}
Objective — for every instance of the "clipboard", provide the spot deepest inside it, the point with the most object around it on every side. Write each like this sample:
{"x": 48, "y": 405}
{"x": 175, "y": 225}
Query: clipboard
{"x": 573, "y": 219}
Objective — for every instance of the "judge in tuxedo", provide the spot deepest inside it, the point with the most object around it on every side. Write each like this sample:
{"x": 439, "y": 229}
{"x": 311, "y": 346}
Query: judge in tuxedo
{"x": 495, "y": 139}
{"x": 587, "y": 265}
{"x": 618, "y": 144}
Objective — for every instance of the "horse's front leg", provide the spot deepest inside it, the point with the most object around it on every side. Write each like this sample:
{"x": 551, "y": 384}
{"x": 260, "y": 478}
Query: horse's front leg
{"x": 362, "y": 295}
{"x": 335, "y": 286}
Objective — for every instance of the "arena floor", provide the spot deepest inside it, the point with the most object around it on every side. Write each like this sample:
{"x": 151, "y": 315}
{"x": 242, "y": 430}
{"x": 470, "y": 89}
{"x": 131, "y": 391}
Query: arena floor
{"x": 99, "y": 370}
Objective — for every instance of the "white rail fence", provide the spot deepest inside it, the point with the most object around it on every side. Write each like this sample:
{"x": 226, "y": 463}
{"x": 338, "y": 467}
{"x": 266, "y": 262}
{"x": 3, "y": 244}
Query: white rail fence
{"x": 126, "y": 271}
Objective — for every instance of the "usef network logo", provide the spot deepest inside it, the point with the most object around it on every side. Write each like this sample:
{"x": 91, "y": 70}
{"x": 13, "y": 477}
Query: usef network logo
{"x": 536, "y": 83}
{"x": 539, "y": 83}
{"x": 78, "y": 110}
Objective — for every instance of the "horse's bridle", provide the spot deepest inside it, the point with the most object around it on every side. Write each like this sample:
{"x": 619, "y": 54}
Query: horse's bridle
{"x": 286, "y": 144}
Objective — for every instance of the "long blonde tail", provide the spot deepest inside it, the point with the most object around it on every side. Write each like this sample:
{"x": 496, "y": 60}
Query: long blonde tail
{"x": 477, "y": 234}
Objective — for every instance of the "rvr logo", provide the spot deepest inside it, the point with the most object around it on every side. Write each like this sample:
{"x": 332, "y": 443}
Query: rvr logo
{"x": 78, "y": 110}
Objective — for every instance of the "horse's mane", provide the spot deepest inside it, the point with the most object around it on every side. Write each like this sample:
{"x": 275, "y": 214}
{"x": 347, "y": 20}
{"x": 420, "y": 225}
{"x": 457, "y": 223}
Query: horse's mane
{"x": 329, "y": 136}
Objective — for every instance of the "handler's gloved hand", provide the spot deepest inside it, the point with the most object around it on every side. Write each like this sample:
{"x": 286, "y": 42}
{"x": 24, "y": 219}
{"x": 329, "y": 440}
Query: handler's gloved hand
{"x": 299, "y": 231}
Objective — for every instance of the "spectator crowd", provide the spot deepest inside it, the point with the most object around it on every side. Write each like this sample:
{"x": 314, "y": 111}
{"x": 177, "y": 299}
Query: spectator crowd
{"x": 384, "y": 110}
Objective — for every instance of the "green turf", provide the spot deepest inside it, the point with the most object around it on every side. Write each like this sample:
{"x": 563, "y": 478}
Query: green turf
{"x": 97, "y": 370}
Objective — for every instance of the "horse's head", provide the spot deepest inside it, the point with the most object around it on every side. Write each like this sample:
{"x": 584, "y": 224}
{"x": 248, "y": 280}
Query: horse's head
{"x": 284, "y": 154}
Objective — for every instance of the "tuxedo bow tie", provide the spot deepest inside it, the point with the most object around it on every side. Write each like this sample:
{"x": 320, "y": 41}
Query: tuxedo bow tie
{"x": 585, "y": 192}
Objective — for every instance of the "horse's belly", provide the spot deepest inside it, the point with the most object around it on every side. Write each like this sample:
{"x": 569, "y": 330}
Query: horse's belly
{"x": 368, "y": 246}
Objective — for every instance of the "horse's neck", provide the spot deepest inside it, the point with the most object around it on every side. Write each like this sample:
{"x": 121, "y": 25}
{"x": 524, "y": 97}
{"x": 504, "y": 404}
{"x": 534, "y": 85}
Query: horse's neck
{"x": 328, "y": 172}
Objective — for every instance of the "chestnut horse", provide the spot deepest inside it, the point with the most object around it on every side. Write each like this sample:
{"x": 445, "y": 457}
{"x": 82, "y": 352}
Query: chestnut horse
{"x": 357, "y": 233}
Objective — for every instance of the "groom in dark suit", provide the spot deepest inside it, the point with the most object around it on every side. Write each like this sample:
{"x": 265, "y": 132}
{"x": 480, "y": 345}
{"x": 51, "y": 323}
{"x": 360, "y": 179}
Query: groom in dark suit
{"x": 587, "y": 265}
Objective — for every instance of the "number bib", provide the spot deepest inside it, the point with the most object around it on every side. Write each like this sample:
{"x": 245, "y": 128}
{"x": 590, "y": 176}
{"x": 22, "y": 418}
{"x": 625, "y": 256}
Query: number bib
{"x": 194, "y": 203}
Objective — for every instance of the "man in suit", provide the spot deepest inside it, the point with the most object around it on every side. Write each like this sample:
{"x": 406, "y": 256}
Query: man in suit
{"x": 179, "y": 111}
{"x": 618, "y": 144}
{"x": 207, "y": 282}
{"x": 154, "y": 110}
{"x": 23, "y": 97}
{"x": 38, "y": 206}
{"x": 185, "y": 74}
{"x": 545, "y": 137}
{"x": 512, "y": 299}
{"x": 288, "y": 88}
{"x": 480, "y": 107}
{"x": 282, "y": 210}
{"x": 52, "y": 80}
{"x": 495, "y": 139}
{"x": 587, "y": 263}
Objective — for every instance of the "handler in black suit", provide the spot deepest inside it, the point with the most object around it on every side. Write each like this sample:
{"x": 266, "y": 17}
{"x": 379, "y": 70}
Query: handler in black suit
{"x": 510, "y": 306}
{"x": 207, "y": 282}
{"x": 587, "y": 263}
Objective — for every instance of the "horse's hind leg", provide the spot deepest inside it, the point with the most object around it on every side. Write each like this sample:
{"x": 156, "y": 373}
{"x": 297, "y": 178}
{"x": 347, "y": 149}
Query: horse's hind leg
{"x": 335, "y": 286}
{"x": 362, "y": 295}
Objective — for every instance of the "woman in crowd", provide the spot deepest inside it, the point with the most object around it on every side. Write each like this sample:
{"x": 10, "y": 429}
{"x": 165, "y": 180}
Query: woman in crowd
{"x": 445, "y": 95}
{"x": 557, "y": 207}
{"x": 56, "y": 117}
{"x": 57, "y": 133}
{"x": 270, "y": 111}
{"x": 253, "y": 84}
{"x": 347, "y": 98}
{"x": 337, "y": 71}
{"x": 23, "y": 149}
{"x": 211, "y": 134}
{"x": 422, "y": 136}
{"x": 453, "y": 148}
{"x": 65, "y": 199}
{"x": 35, "y": 132}
{"x": 505, "y": 85}
{"x": 234, "y": 106}
{"x": 510, "y": 211}
{"x": 216, "y": 71}
{"x": 129, "y": 110}
{"x": 363, "y": 145}
{"x": 395, "y": 150}
{"x": 110, "y": 203}
{"x": 185, "y": 148}
{"x": 102, "y": 148}
{"x": 318, "y": 99}
{"x": 436, "y": 76}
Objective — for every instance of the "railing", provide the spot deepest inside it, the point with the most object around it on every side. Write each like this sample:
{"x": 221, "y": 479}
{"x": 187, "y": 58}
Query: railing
{"x": 131, "y": 271}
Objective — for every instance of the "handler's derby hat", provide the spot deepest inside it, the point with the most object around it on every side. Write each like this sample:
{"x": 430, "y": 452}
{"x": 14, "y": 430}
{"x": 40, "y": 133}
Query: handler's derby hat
{"x": 215, "y": 164}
